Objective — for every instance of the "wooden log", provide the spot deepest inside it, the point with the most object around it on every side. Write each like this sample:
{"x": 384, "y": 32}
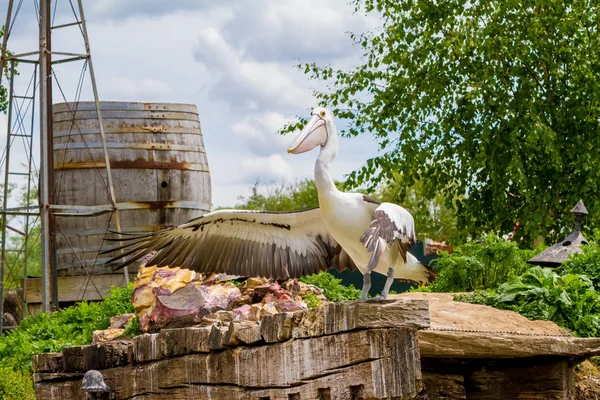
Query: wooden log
{"x": 179, "y": 342}
{"x": 216, "y": 338}
{"x": 47, "y": 362}
{"x": 72, "y": 359}
{"x": 70, "y": 389}
{"x": 384, "y": 361}
{"x": 145, "y": 348}
{"x": 107, "y": 355}
{"x": 343, "y": 317}
{"x": 278, "y": 327}
{"x": 444, "y": 386}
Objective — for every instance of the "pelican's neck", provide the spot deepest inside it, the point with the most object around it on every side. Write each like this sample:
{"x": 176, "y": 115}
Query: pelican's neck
{"x": 325, "y": 185}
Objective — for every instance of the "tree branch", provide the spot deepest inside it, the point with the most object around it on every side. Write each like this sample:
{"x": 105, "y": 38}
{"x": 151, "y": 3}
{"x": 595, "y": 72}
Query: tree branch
{"x": 534, "y": 76}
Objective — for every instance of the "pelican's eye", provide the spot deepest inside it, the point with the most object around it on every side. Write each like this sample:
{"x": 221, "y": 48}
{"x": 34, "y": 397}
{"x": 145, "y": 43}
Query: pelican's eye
{"x": 322, "y": 114}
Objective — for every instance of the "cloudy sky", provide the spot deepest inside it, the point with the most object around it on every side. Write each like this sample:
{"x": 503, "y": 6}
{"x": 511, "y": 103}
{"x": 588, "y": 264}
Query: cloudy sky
{"x": 234, "y": 59}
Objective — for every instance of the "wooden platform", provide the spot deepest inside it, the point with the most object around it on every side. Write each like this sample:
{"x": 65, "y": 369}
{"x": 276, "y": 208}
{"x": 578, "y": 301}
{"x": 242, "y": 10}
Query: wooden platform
{"x": 478, "y": 352}
{"x": 339, "y": 351}
{"x": 73, "y": 288}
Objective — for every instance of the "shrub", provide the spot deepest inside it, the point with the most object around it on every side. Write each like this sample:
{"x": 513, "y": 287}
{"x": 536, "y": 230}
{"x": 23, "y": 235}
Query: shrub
{"x": 477, "y": 266}
{"x": 311, "y": 300}
{"x": 16, "y": 385}
{"x": 332, "y": 288}
{"x": 586, "y": 263}
{"x": 50, "y": 333}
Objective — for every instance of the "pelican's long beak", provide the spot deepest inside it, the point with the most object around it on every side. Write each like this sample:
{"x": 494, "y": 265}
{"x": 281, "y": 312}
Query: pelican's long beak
{"x": 314, "y": 134}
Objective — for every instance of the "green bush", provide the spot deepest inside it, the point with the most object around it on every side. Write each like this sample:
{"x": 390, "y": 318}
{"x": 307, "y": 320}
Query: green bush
{"x": 586, "y": 263}
{"x": 42, "y": 333}
{"x": 311, "y": 300}
{"x": 16, "y": 385}
{"x": 133, "y": 328}
{"x": 569, "y": 300}
{"x": 332, "y": 288}
{"x": 477, "y": 266}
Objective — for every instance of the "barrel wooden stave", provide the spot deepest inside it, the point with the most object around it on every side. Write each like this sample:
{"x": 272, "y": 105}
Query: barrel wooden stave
{"x": 159, "y": 165}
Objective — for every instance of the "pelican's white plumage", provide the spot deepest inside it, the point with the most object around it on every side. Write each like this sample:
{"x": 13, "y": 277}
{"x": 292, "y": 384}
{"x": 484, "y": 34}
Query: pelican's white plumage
{"x": 348, "y": 230}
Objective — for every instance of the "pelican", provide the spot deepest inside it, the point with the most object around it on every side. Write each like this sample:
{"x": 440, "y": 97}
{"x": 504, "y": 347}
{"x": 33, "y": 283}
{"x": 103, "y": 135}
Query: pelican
{"x": 347, "y": 231}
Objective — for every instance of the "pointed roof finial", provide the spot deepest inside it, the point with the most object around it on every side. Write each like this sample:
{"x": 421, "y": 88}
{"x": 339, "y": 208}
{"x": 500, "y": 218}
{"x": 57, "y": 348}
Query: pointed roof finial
{"x": 579, "y": 212}
{"x": 580, "y": 208}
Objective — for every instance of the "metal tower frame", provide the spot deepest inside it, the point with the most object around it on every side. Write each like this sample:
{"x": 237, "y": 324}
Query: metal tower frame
{"x": 43, "y": 59}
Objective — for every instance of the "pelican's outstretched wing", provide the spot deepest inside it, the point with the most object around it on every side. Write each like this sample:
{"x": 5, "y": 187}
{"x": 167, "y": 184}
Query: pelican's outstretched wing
{"x": 244, "y": 243}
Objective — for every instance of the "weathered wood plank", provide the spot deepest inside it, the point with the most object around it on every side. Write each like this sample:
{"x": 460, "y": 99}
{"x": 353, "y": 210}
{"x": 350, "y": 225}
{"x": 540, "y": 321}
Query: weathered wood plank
{"x": 501, "y": 345}
{"x": 444, "y": 386}
{"x": 529, "y": 378}
{"x": 75, "y": 288}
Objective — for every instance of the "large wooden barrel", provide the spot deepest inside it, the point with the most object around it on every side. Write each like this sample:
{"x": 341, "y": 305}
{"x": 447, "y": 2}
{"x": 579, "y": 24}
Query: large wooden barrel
{"x": 159, "y": 169}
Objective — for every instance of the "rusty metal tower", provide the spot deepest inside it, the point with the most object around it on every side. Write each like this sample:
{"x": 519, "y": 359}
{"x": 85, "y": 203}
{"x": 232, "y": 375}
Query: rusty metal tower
{"x": 21, "y": 127}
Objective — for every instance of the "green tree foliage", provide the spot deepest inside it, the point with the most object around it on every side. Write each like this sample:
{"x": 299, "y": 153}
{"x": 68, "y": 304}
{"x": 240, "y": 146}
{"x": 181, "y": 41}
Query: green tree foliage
{"x": 433, "y": 218}
{"x": 3, "y": 90}
{"x": 493, "y": 103}
{"x": 32, "y": 250}
{"x": 301, "y": 195}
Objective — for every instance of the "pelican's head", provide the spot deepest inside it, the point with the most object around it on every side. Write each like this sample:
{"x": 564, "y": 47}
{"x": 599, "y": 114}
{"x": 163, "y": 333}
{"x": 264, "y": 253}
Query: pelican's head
{"x": 314, "y": 133}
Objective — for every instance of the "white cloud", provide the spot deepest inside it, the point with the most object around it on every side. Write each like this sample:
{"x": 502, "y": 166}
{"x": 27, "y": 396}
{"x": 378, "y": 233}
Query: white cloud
{"x": 259, "y": 132}
{"x": 265, "y": 169}
{"x": 148, "y": 89}
{"x": 244, "y": 82}
{"x": 308, "y": 30}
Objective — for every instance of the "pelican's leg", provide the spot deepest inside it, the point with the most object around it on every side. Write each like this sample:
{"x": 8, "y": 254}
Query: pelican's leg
{"x": 366, "y": 285}
{"x": 388, "y": 283}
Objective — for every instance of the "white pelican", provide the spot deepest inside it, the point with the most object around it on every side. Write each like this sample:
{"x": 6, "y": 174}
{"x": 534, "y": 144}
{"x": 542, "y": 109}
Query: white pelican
{"x": 348, "y": 230}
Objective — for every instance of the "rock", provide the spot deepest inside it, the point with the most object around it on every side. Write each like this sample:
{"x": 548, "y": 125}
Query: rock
{"x": 246, "y": 332}
{"x": 269, "y": 298}
{"x": 9, "y": 320}
{"x": 189, "y": 305}
{"x": 119, "y": 321}
{"x": 267, "y": 288}
{"x": 242, "y": 300}
{"x": 107, "y": 335}
{"x": 290, "y": 305}
{"x": 153, "y": 281}
{"x": 269, "y": 309}
{"x": 250, "y": 283}
{"x": 175, "y": 297}
{"x": 293, "y": 287}
{"x": 255, "y": 312}
{"x": 241, "y": 313}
